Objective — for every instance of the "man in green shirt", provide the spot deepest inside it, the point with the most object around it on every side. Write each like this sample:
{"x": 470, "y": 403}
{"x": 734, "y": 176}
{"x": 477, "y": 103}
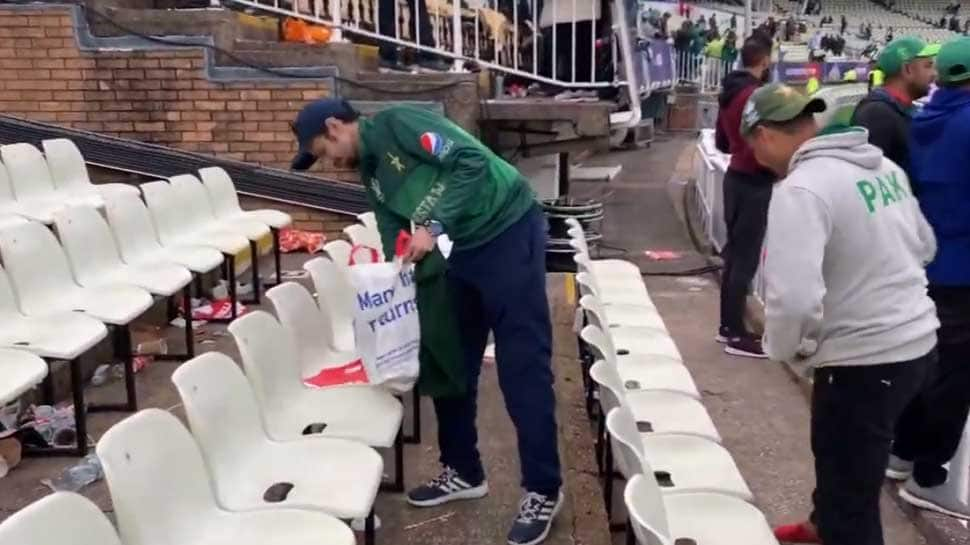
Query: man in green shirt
{"x": 418, "y": 167}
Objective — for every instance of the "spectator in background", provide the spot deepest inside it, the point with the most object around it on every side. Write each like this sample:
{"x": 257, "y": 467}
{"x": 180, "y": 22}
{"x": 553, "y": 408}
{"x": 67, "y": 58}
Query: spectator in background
{"x": 907, "y": 64}
{"x": 930, "y": 429}
{"x": 846, "y": 298}
{"x": 734, "y": 21}
{"x": 747, "y": 192}
{"x": 665, "y": 25}
{"x": 712, "y": 22}
{"x": 387, "y": 26}
{"x": 843, "y": 25}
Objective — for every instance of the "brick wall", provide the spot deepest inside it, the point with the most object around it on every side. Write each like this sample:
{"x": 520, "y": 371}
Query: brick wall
{"x": 158, "y": 96}
{"x": 304, "y": 218}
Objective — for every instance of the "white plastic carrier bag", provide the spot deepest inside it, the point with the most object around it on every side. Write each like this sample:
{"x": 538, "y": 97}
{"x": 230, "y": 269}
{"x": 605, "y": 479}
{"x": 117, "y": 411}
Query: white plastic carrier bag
{"x": 386, "y": 326}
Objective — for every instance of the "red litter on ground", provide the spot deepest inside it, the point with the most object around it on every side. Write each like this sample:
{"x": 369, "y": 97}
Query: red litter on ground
{"x": 663, "y": 255}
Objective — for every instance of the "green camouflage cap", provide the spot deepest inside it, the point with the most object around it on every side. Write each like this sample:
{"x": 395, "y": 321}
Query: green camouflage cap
{"x": 777, "y": 102}
{"x": 902, "y": 51}
{"x": 953, "y": 62}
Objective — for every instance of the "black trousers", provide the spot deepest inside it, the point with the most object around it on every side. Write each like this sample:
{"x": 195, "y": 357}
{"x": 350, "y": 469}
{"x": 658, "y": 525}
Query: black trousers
{"x": 386, "y": 25}
{"x": 854, "y": 414}
{"x": 930, "y": 428}
{"x": 746, "y": 200}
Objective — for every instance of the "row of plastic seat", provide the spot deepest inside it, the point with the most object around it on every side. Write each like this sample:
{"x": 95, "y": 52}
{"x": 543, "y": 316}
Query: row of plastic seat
{"x": 682, "y": 484}
{"x": 251, "y": 438}
{"x": 58, "y": 293}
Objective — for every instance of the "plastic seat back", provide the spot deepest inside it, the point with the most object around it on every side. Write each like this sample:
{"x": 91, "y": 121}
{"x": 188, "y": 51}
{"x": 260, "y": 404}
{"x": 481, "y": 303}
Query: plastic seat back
{"x": 339, "y": 252}
{"x": 62, "y": 517}
{"x": 269, "y": 358}
{"x": 627, "y": 446}
{"x": 587, "y": 284}
{"x": 645, "y": 504}
{"x": 222, "y": 192}
{"x": 158, "y": 481}
{"x": 360, "y": 235}
{"x": 222, "y": 412}
{"x": 6, "y": 189}
{"x": 299, "y": 313}
{"x": 193, "y": 198}
{"x": 171, "y": 222}
{"x": 67, "y": 167}
{"x": 599, "y": 342}
{"x": 29, "y": 174}
{"x": 594, "y": 312}
{"x": 369, "y": 219}
{"x": 8, "y": 301}
{"x": 131, "y": 223}
{"x": 88, "y": 243}
{"x": 335, "y": 298}
{"x": 38, "y": 269}
{"x": 610, "y": 383}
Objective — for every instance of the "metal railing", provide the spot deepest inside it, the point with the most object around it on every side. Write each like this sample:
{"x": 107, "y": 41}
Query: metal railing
{"x": 564, "y": 45}
{"x": 706, "y": 73}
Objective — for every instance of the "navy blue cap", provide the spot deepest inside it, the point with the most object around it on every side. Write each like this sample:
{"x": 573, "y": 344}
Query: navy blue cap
{"x": 311, "y": 122}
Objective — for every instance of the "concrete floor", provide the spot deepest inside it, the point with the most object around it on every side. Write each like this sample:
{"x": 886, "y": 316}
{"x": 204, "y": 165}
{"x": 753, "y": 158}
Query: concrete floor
{"x": 757, "y": 406}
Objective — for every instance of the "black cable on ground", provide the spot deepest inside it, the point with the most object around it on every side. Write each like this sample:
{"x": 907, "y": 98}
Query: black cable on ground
{"x": 266, "y": 69}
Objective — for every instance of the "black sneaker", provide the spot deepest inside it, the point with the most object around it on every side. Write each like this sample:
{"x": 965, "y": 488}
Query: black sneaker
{"x": 536, "y": 513}
{"x": 747, "y": 346}
{"x": 444, "y": 488}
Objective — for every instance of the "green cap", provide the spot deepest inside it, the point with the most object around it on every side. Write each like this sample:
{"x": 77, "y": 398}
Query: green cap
{"x": 953, "y": 62}
{"x": 902, "y": 51}
{"x": 777, "y": 102}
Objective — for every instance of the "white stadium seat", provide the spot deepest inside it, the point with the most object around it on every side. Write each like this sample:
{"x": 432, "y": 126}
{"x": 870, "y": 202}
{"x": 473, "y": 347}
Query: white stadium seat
{"x": 162, "y": 494}
{"x": 311, "y": 326}
{"x": 62, "y": 517}
{"x": 369, "y": 219}
{"x": 335, "y": 296}
{"x": 688, "y": 463}
{"x": 702, "y": 518}
{"x": 139, "y": 244}
{"x": 198, "y": 205}
{"x": 31, "y": 248}
{"x": 648, "y": 372}
{"x": 31, "y": 179}
{"x": 361, "y": 235}
{"x": 363, "y": 413}
{"x": 225, "y": 201}
{"x": 244, "y": 462}
{"x": 70, "y": 173}
{"x": 339, "y": 252}
{"x": 93, "y": 254}
{"x": 658, "y": 412}
{"x": 178, "y": 225}
{"x": 37, "y": 210}
{"x": 626, "y": 341}
{"x": 19, "y": 371}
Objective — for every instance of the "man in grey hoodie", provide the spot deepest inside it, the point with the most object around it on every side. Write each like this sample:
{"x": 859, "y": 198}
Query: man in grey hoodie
{"x": 846, "y": 296}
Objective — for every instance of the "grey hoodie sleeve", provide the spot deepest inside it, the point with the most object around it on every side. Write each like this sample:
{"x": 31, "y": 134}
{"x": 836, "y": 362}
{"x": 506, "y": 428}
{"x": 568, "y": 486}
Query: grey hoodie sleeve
{"x": 799, "y": 226}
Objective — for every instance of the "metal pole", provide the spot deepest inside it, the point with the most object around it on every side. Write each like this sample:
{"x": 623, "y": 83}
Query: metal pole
{"x": 748, "y": 16}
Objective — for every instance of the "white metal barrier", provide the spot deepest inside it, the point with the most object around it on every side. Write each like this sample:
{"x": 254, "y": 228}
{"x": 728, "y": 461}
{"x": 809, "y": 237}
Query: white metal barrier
{"x": 706, "y": 73}
{"x": 562, "y": 45}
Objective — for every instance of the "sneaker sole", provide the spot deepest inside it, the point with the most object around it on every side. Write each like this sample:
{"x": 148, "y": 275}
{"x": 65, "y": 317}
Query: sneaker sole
{"x": 552, "y": 519}
{"x": 720, "y": 339}
{"x": 475, "y": 493}
{"x": 917, "y": 501}
{"x": 744, "y": 353}
{"x": 897, "y": 475}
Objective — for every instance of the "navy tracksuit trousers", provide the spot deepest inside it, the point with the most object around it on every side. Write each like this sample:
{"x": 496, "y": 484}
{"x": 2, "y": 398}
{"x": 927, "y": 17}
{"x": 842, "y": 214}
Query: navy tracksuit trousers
{"x": 501, "y": 287}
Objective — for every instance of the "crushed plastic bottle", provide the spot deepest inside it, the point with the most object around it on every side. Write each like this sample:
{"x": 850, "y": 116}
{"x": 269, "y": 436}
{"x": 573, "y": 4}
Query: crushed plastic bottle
{"x": 76, "y": 477}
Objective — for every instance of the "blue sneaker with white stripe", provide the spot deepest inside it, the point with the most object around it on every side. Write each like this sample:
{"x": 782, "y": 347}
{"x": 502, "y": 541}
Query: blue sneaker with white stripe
{"x": 447, "y": 487}
{"x": 534, "y": 521}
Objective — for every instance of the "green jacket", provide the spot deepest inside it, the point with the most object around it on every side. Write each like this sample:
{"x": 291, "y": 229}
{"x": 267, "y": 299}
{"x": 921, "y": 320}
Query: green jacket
{"x": 442, "y": 359}
{"x": 419, "y": 166}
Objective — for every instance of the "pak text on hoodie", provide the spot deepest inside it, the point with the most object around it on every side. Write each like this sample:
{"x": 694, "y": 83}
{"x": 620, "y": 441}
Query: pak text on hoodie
{"x": 844, "y": 258}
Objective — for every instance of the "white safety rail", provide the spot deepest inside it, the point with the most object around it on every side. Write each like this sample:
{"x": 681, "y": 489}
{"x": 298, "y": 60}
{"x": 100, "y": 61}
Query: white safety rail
{"x": 706, "y": 73}
{"x": 561, "y": 45}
